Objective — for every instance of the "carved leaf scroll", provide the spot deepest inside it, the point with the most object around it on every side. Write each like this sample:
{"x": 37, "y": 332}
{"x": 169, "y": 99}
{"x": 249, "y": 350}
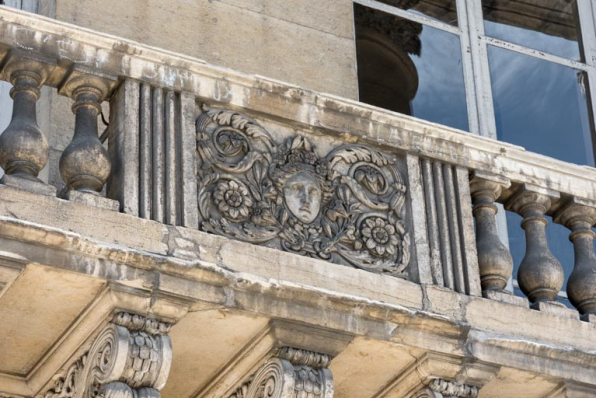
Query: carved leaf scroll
{"x": 346, "y": 207}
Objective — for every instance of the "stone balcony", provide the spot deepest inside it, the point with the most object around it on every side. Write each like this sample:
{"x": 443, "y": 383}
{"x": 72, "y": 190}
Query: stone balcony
{"x": 235, "y": 233}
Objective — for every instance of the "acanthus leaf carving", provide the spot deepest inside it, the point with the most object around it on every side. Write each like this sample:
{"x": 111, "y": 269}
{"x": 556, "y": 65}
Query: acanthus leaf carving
{"x": 346, "y": 207}
{"x": 130, "y": 358}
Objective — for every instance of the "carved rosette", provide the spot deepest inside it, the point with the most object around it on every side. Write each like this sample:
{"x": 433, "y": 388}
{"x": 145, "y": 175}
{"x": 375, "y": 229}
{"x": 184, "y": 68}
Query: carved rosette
{"x": 293, "y": 373}
{"x": 130, "y": 358}
{"x": 346, "y": 207}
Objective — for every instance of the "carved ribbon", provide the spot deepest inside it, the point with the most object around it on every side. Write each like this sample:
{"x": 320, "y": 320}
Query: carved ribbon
{"x": 130, "y": 358}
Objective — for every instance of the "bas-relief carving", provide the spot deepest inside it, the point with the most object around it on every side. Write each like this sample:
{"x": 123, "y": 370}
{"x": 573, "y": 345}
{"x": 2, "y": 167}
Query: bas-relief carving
{"x": 130, "y": 358}
{"x": 346, "y": 207}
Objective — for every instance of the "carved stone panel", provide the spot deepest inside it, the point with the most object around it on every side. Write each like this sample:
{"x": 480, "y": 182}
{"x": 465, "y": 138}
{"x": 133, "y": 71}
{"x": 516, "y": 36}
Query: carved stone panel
{"x": 346, "y": 207}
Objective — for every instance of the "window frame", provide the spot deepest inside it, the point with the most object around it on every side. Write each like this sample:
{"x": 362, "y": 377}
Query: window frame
{"x": 475, "y": 67}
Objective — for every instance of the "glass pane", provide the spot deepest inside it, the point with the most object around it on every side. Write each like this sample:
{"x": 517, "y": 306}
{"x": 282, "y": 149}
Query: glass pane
{"x": 545, "y": 25}
{"x": 541, "y": 106}
{"x": 440, "y": 10}
{"x": 410, "y": 68}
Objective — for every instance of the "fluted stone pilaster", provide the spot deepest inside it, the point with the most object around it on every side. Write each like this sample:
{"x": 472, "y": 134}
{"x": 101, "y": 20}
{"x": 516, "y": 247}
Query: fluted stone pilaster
{"x": 494, "y": 260}
{"x": 24, "y": 148}
{"x": 540, "y": 275}
{"x": 579, "y": 215}
{"x": 85, "y": 164}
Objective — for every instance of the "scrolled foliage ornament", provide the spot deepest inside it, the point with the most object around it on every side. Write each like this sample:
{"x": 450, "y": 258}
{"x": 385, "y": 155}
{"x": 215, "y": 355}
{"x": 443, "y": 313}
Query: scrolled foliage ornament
{"x": 346, "y": 207}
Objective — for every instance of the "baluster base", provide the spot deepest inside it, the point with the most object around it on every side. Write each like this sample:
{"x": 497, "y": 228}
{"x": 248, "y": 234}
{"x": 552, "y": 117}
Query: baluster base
{"x": 506, "y": 297}
{"x": 588, "y": 318}
{"x": 91, "y": 199}
{"x": 558, "y": 309}
{"x": 30, "y": 184}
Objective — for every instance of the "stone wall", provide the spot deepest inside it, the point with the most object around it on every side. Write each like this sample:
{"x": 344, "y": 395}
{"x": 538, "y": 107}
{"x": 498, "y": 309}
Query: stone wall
{"x": 304, "y": 42}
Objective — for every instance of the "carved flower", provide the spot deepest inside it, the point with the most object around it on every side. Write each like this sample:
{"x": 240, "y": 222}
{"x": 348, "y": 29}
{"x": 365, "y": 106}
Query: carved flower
{"x": 232, "y": 199}
{"x": 379, "y": 236}
{"x": 371, "y": 178}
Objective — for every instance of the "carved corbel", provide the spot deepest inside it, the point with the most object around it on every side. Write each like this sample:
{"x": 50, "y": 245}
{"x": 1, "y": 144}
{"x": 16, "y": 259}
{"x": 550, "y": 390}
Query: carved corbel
{"x": 448, "y": 389}
{"x": 130, "y": 358}
{"x": 291, "y": 373}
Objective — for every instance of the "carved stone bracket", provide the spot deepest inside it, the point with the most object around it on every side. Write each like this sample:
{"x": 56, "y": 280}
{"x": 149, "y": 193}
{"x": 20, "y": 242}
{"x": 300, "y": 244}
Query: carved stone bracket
{"x": 450, "y": 389}
{"x": 130, "y": 358}
{"x": 346, "y": 207}
{"x": 292, "y": 373}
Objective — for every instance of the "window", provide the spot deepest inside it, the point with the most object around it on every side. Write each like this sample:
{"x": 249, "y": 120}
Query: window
{"x": 515, "y": 70}
{"x": 410, "y": 66}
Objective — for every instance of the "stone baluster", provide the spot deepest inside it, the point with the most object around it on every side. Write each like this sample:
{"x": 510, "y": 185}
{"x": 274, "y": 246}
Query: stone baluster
{"x": 540, "y": 274}
{"x": 494, "y": 259}
{"x": 24, "y": 149}
{"x": 579, "y": 215}
{"x": 85, "y": 164}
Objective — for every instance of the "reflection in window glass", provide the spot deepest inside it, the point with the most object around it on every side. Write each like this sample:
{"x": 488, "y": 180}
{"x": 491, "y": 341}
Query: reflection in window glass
{"x": 547, "y": 25}
{"x": 410, "y": 68}
{"x": 541, "y": 106}
{"x": 440, "y": 10}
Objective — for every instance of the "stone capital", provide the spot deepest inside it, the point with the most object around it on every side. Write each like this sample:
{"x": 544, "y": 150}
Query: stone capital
{"x": 531, "y": 200}
{"x": 82, "y": 80}
{"x": 36, "y": 67}
{"x": 576, "y": 210}
{"x": 489, "y": 185}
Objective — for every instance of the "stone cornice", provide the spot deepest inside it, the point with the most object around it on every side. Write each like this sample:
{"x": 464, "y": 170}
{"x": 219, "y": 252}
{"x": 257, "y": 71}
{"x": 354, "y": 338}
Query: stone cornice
{"x": 351, "y": 120}
{"x": 401, "y": 312}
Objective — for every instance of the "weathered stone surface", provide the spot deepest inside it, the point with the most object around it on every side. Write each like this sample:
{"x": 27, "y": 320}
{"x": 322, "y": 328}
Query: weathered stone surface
{"x": 506, "y": 297}
{"x": 30, "y": 327}
{"x": 27, "y": 184}
{"x": 201, "y": 29}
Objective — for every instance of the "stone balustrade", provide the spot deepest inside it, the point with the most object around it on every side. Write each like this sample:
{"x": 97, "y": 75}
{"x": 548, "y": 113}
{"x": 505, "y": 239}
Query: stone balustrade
{"x": 203, "y": 147}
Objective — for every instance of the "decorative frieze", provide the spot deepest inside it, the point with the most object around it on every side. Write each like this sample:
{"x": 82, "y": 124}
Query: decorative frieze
{"x": 346, "y": 207}
{"x": 130, "y": 358}
{"x": 292, "y": 373}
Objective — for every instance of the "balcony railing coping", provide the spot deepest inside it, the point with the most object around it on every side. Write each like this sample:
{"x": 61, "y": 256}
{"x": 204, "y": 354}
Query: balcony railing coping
{"x": 351, "y": 120}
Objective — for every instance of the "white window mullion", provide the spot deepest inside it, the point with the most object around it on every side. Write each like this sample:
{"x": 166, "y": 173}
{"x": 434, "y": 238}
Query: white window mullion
{"x": 481, "y": 72}
{"x": 468, "y": 67}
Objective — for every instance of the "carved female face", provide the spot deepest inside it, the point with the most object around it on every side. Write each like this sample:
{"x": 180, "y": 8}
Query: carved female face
{"x": 303, "y": 196}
